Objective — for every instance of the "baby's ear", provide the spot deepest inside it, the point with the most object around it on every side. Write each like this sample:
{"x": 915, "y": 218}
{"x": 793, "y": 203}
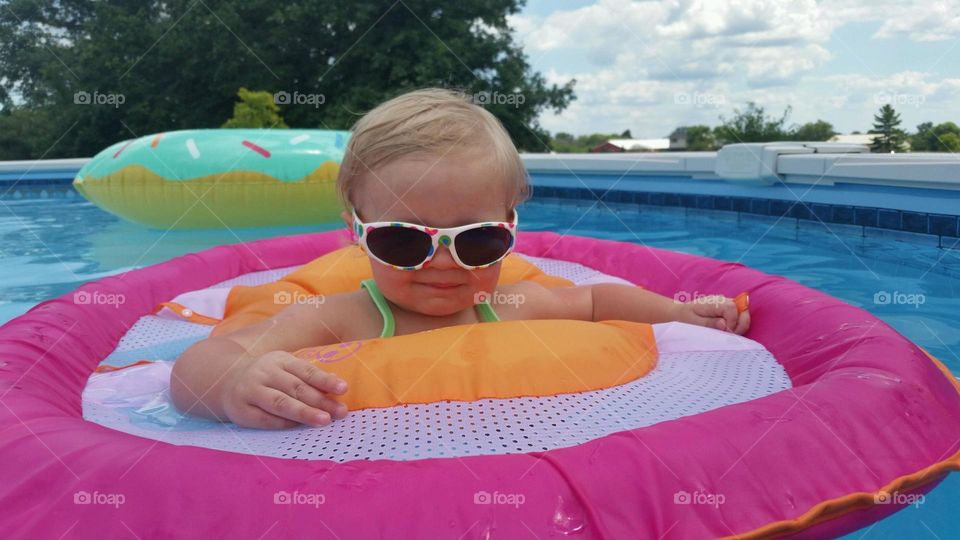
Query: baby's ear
{"x": 347, "y": 219}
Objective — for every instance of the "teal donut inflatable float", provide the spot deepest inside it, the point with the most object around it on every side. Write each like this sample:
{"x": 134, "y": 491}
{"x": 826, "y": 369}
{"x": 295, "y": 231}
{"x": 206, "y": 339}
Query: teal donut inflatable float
{"x": 219, "y": 178}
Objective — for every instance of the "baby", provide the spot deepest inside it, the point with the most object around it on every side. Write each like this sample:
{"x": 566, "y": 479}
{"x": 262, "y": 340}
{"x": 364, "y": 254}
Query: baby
{"x": 448, "y": 172}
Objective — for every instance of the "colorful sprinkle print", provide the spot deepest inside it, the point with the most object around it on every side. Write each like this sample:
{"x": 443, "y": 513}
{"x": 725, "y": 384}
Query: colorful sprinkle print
{"x": 192, "y": 148}
{"x": 258, "y": 149}
{"x": 299, "y": 139}
{"x": 122, "y": 148}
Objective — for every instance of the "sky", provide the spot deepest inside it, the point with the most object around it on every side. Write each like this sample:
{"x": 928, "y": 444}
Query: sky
{"x": 650, "y": 66}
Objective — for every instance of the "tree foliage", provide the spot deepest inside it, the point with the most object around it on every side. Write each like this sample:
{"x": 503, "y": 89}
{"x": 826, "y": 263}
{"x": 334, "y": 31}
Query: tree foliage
{"x": 814, "y": 131}
{"x": 886, "y": 124}
{"x": 177, "y": 64}
{"x": 943, "y": 137}
{"x": 255, "y": 110}
{"x": 565, "y": 143}
{"x": 752, "y": 125}
{"x": 700, "y": 138}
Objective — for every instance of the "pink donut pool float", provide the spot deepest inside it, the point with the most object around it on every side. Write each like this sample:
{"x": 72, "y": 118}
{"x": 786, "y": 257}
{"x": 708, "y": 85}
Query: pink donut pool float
{"x": 823, "y": 421}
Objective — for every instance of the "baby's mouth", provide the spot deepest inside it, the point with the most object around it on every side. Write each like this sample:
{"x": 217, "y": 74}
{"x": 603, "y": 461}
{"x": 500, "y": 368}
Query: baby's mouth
{"x": 441, "y": 286}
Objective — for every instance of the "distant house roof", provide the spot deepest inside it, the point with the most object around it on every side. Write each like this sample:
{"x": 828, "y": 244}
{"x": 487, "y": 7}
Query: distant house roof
{"x": 606, "y": 147}
{"x": 860, "y": 138}
{"x": 641, "y": 144}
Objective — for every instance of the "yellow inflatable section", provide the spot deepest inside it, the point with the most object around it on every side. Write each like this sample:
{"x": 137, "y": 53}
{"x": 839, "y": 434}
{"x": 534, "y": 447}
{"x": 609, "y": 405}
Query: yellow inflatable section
{"x": 219, "y": 178}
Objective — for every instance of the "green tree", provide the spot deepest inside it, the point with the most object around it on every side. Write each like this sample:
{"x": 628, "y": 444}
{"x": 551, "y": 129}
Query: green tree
{"x": 178, "y": 63}
{"x": 939, "y": 138}
{"x": 752, "y": 125}
{"x": 565, "y": 143}
{"x": 886, "y": 124}
{"x": 255, "y": 110}
{"x": 700, "y": 138}
{"x": 950, "y": 142}
{"x": 919, "y": 141}
{"x": 814, "y": 131}
{"x": 26, "y": 132}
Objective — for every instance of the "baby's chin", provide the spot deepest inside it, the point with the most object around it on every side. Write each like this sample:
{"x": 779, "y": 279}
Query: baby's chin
{"x": 438, "y": 307}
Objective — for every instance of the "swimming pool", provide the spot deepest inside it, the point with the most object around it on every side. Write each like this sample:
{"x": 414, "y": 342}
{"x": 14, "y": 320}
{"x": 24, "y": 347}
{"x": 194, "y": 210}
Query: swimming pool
{"x": 50, "y": 246}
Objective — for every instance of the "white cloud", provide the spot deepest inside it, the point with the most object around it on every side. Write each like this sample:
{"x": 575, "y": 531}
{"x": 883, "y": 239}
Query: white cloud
{"x": 650, "y": 66}
{"x": 917, "y": 21}
{"x": 764, "y": 41}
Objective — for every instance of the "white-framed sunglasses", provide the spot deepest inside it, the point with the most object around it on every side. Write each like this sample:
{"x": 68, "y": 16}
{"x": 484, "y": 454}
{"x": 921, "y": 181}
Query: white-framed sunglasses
{"x": 408, "y": 246}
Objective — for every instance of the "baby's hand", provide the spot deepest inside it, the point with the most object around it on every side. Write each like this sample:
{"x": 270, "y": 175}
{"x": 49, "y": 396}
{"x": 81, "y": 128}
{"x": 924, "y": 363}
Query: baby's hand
{"x": 278, "y": 390}
{"x": 720, "y": 312}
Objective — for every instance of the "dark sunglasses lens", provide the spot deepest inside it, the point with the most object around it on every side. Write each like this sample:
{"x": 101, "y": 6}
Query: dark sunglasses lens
{"x": 483, "y": 245}
{"x": 399, "y": 246}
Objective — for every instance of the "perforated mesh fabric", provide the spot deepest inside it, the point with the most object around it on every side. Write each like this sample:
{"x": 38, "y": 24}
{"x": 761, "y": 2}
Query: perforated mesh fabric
{"x": 136, "y": 401}
{"x": 577, "y": 273}
{"x": 683, "y": 384}
{"x": 256, "y": 278}
{"x": 157, "y": 338}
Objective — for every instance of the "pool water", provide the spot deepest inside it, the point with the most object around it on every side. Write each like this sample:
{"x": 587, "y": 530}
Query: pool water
{"x": 48, "y": 247}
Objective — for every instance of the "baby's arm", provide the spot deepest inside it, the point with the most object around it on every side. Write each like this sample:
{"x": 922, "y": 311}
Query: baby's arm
{"x": 247, "y": 376}
{"x": 609, "y": 301}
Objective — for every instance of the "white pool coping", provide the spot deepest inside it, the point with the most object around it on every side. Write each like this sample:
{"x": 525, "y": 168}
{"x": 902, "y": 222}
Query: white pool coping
{"x": 769, "y": 163}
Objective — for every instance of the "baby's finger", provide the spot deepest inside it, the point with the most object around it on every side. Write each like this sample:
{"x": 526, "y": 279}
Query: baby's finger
{"x": 743, "y": 323}
{"x": 729, "y": 310}
{"x": 283, "y": 405}
{"x": 301, "y": 391}
{"x": 296, "y": 387}
{"x": 722, "y": 309}
{"x": 316, "y": 377}
{"x": 709, "y": 322}
{"x": 252, "y": 416}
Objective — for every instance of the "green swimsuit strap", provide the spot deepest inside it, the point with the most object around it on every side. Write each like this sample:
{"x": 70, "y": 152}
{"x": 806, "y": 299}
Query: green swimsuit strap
{"x": 484, "y": 309}
{"x": 381, "y": 302}
{"x": 486, "y": 312}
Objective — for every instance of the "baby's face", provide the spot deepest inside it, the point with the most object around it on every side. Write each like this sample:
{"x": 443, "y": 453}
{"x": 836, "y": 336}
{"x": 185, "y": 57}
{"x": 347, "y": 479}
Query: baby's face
{"x": 440, "y": 192}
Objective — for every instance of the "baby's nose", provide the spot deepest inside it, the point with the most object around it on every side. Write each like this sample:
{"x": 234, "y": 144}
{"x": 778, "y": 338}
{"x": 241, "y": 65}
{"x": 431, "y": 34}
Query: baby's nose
{"x": 442, "y": 259}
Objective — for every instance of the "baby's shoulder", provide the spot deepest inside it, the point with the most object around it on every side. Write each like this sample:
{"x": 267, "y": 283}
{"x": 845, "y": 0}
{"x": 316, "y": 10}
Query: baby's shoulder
{"x": 342, "y": 314}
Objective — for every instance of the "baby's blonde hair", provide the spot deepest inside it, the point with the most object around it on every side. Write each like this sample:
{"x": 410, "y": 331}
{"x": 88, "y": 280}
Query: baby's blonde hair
{"x": 430, "y": 121}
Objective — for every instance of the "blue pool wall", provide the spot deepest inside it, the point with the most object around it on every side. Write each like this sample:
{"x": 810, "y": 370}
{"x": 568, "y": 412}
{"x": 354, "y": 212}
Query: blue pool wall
{"x": 915, "y": 193}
